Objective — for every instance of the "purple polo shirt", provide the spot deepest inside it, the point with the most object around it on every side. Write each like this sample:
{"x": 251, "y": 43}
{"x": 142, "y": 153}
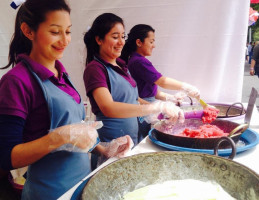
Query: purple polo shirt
{"x": 96, "y": 76}
{"x": 145, "y": 74}
{"x": 21, "y": 95}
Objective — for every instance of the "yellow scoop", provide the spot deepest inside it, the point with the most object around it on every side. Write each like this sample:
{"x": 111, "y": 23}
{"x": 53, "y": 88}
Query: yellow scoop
{"x": 205, "y": 105}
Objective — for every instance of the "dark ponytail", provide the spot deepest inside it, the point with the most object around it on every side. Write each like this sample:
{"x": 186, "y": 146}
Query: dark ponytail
{"x": 91, "y": 45}
{"x": 139, "y": 31}
{"x": 32, "y": 12}
{"x": 100, "y": 27}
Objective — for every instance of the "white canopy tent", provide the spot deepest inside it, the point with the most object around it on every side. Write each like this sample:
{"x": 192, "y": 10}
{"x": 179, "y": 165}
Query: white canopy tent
{"x": 201, "y": 42}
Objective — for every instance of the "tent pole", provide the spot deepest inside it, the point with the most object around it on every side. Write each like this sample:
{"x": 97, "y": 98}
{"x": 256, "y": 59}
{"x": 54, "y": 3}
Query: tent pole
{"x": 250, "y": 35}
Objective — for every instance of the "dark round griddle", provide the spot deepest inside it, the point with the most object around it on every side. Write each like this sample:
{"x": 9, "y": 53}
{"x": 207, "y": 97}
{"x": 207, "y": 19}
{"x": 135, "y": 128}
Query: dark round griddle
{"x": 169, "y": 136}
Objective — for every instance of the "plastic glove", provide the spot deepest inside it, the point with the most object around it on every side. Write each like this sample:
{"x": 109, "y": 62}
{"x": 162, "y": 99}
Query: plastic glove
{"x": 176, "y": 98}
{"x": 118, "y": 147}
{"x": 163, "y": 127}
{"x": 172, "y": 112}
{"x": 79, "y": 137}
{"x": 191, "y": 91}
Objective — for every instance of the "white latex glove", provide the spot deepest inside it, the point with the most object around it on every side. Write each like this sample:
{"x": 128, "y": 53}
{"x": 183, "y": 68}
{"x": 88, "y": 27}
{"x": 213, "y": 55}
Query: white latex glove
{"x": 77, "y": 137}
{"x": 176, "y": 98}
{"x": 191, "y": 91}
{"x": 118, "y": 147}
{"x": 172, "y": 113}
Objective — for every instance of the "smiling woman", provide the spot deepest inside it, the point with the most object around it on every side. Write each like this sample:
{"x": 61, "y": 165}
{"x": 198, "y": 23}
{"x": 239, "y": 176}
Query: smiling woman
{"x": 50, "y": 39}
{"x": 139, "y": 45}
{"x": 111, "y": 89}
{"x": 42, "y": 32}
{"x": 41, "y": 112}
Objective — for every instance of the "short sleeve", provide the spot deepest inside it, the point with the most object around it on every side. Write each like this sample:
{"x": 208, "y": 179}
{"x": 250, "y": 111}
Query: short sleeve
{"x": 146, "y": 71}
{"x": 14, "y": 97}
{"x": 95, "y": 76}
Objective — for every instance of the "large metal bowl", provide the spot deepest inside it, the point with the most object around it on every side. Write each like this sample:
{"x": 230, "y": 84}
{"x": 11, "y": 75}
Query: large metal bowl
{"x": 170, "y": 136}
{"x": 130, "y": 173}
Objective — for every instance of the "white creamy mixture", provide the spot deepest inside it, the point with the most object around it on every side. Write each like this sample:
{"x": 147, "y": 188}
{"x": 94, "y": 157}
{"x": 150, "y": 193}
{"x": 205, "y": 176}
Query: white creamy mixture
{"x": 187, "y": 189}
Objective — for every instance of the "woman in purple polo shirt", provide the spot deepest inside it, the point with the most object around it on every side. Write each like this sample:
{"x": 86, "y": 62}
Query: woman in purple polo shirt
{"x": 41, "y": 112}
{"x": 140, "y": 43}
{"x": 111, "y": 90}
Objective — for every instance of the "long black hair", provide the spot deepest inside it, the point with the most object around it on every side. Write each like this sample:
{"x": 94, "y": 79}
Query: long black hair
{"x": 33, "y": 13}
{"x": 100, "y": 27}
{"x": 140, "y": 32}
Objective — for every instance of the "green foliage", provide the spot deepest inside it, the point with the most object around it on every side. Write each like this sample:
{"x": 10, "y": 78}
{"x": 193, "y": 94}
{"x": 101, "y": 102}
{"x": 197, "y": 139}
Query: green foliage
{"x": 255, "y": 28}
{"x": 256, "y": 35}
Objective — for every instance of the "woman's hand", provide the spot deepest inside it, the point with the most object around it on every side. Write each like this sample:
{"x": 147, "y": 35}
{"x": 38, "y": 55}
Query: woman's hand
{"x": 82, "y": 135}
{"x": 177, "y": 98}
{"x": 117, "y": 147}
{"x": 172, "y": 113}
{"x": 191, "y": 91}
{"x": 252, "y": 71}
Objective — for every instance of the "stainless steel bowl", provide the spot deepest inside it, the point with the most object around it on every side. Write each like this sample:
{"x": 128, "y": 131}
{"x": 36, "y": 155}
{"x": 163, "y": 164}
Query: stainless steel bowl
{"x": 130, "y": 173}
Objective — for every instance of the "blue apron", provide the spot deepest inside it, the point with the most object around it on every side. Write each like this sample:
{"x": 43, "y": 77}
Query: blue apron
{"x": 121, "y": 91}
{"x": 144, "y": 127}
{"x": 150, "y": 99}
{"x": 57, "y": 172}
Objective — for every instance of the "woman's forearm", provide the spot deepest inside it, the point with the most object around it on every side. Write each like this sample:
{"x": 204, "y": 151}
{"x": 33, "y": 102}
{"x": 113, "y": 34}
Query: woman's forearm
{"x": 142, "y": 101}
{"x": 125, "y": 110}
{"x": 115, "y": 109}
{"x": 160, "y": 95}
{"x": 27, "y": 153}
{"x": 169, "y": 83}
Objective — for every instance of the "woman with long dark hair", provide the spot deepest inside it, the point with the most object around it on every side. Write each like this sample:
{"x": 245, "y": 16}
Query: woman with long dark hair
{"x": 41, "y": 112}
{"x": 139, "y": 45}
{"x": 111, "y": 89}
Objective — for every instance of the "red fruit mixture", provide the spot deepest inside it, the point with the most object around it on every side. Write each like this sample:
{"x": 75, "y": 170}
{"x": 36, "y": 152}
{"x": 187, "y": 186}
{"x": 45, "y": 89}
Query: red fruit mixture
{"x": 209, "y": 114}
{"x": 204, "y": 131}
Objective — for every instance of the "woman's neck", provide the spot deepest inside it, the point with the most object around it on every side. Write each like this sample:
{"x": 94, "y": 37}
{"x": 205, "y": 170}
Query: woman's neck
{"x": 109, "y": 60}
{"x": 140, "y": 52}
{"x": 50, "y": 65}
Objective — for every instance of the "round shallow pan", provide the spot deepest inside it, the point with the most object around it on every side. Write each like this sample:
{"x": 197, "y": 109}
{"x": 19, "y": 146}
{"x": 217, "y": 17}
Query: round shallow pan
{"x": 226, "y": 111}
{"x": 169, "y": 136}
{"x": 125, "y": 175}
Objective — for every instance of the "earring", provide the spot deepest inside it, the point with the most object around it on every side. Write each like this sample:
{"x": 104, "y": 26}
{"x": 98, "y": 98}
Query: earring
{"x": 29, "y": 36}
